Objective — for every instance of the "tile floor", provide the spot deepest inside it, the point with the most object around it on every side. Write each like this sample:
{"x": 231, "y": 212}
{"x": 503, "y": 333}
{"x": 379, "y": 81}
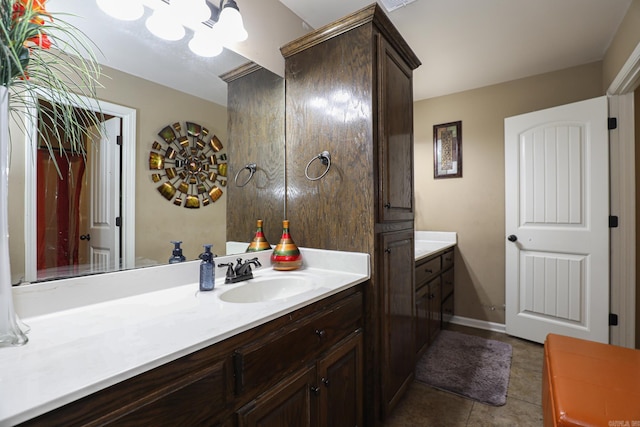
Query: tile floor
{"x": 425, "y": 406}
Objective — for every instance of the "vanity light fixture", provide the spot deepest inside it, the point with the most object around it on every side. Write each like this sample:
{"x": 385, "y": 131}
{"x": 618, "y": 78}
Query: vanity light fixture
{"x": 212, "y": 26}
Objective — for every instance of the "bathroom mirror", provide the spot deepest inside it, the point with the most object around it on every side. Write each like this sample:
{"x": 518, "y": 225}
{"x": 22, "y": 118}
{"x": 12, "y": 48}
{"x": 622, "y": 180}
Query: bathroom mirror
{"x": 149, "y": 100}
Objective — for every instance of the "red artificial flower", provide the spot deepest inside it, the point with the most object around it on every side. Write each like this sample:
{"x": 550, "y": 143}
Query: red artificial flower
{"x": 41, "y": 40}
{"x": 20, "y": 7}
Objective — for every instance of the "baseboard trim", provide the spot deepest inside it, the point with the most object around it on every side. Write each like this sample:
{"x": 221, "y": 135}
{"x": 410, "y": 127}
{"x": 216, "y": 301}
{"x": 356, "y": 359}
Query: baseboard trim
{"x": 480, "y": 324}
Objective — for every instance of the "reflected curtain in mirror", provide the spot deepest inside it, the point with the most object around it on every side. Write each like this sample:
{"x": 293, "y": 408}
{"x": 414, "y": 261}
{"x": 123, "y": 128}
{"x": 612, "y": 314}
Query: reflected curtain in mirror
{"x": 58, "y": 213}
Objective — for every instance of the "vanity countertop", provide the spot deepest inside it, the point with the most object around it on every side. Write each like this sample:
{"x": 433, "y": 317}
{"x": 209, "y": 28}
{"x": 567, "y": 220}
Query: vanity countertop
{"x": 78, "y": 349}
{"x": 429, "y": 242}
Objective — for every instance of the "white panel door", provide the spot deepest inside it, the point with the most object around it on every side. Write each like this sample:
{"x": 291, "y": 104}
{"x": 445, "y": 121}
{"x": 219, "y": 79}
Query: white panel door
{"x": 557, "y": 210}
{"x": 104, "y": 245}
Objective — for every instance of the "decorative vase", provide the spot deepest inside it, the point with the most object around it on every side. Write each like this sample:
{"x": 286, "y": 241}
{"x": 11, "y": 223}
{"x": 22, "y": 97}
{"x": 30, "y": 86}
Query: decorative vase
{"x": 11, "y": 333}
{"x": 259, "y": 242}
{"x": 286, "y": 255}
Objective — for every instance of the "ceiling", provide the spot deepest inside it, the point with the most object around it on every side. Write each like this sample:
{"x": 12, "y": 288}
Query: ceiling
{"x": 467, "y": 44}
{"x": 463, "y": 44}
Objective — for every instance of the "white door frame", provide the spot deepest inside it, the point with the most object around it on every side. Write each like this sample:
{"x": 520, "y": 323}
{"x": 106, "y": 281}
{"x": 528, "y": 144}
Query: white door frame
{"x": 128, "y": 179}
{"x": 623, "y": 199}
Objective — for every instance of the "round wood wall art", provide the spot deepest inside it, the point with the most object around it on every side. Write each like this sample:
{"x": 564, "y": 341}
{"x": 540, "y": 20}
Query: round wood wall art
{"x": 190, "y": 169}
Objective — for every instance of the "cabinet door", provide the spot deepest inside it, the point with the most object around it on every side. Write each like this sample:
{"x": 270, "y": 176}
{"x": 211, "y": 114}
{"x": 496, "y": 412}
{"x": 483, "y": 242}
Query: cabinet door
{"x": 293, "y": 402}
{"x": 395, "y": 127}
{"x": 398, "y": 330}
{"x": 435, "y": 305}
{"x": 422, "y": 319}
{"x": 340, "y": 382}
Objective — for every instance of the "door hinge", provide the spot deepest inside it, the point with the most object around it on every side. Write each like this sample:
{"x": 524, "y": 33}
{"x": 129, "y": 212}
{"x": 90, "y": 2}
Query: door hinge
{"x": 613, "y": 319}
{"x": 118, "y": 221}
{"x": 119, "y": 139}
{"x": 613, "y": 221}
{"x": 612, "y": 123}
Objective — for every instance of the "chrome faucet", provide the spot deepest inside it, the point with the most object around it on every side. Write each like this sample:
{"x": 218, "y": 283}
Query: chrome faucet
{"x": 242, "y": 270}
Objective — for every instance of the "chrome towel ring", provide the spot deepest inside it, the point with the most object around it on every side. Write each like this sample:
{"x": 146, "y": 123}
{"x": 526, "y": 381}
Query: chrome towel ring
{"x": 252, "y": 170}
{"x": 325, "y": 158}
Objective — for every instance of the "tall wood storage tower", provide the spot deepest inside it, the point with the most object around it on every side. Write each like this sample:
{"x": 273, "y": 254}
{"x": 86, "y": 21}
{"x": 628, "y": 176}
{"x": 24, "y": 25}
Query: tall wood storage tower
{"x": 348, "y": 91}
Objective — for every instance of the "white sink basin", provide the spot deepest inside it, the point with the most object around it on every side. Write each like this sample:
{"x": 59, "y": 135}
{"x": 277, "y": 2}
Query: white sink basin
{"x": 268, "y": 289}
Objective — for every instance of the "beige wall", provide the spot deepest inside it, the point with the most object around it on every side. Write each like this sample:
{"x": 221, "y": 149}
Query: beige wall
{"x": 473, "y": 205}
{"x": 270, "y": 25}
{"x": 157, "y": 220}
{"x": 624, "y": 42}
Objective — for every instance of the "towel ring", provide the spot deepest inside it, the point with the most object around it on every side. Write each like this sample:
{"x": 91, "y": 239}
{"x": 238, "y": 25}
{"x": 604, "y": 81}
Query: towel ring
{"x": 252, "y": 169}
{"x": 325, "y": 158}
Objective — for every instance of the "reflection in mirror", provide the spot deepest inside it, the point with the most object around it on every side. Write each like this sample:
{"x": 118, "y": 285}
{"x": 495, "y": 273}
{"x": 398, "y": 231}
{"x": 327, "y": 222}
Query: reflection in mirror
{"x": 141, "y": 77}
{"x": 256, "y": 118}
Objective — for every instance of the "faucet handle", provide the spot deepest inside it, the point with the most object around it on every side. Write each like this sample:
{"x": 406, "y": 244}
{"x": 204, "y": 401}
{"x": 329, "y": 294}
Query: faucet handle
{"x": 229, "y": 266}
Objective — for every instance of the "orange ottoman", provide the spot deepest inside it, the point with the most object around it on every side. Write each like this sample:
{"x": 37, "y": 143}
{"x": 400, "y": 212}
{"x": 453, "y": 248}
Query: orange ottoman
{"x": 585, "y": 383}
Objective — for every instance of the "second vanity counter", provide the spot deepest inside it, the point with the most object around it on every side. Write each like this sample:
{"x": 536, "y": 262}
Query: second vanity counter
{"x": 87, "y": 345}
{"x": 430, "y": 242}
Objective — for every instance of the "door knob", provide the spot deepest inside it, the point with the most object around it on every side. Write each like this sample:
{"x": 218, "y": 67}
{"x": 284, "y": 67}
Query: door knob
{"x": 512, "y": 238}
{"x": 86, "y": 237}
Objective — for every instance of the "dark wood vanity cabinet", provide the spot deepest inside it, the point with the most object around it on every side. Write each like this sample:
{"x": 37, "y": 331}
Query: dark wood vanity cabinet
{"x": 304, "y": 368}
{"x": 433, "y": 296}
{"x": 328, "y": 393}
{"x": 447, "y": 286}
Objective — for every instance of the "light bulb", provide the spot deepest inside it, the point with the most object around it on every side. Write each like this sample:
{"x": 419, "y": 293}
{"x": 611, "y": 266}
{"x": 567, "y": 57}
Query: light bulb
{"x": 191, "y": 13}
{"x": 162, "y": 24}
{"x": 230, "y": 25}
{"x": 125, "y": 10}
{"x": 205, "y": 43}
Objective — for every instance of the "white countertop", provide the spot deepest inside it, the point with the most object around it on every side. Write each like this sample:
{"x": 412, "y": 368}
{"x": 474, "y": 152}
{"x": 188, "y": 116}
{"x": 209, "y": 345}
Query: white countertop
{"x": 429, "y": 242}
{"x": 78, "y": 348}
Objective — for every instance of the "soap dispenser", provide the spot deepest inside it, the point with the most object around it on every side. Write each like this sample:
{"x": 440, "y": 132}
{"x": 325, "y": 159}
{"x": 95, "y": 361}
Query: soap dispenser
{"x": 177, "y": 253}
{"x": 207, "y": 270}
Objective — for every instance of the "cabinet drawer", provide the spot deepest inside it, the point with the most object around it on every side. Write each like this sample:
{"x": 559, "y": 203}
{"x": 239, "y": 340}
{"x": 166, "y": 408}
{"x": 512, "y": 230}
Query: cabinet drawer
{"x": 447, "y": 283}
{"x": 447, "y": 259}
{"x": 197, "y": 399}
{"x": 193, "y": 390}
{"x": 291, "y": 348}
{"x": 427, "y": 270}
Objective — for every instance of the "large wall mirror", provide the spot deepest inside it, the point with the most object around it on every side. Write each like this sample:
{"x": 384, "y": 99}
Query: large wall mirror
{"x": 146, "y": 86}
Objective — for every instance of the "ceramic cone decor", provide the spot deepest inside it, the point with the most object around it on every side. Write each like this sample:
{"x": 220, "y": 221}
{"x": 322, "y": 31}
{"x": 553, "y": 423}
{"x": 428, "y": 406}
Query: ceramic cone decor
{"x": 259, "y": 242}
{"x": 286, "y": 255}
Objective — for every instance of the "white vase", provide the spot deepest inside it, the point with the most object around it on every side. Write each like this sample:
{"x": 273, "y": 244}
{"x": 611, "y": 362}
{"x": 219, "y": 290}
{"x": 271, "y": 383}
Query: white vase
{"x": 10, "y": 332}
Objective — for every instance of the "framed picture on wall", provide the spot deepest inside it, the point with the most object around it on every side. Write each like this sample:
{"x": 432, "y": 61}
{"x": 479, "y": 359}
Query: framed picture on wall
{"x": 447, "y": 150}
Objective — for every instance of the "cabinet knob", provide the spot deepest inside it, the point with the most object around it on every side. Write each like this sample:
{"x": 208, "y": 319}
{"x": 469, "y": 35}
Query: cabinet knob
{"x": 512, "y": 238}
{"x": 321, "y": 333}
{"x": 387, "y": 205}
{"x": 387, "y": 251}
{"x": 325, "y": 381}
{"x": 315, "y": 389}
